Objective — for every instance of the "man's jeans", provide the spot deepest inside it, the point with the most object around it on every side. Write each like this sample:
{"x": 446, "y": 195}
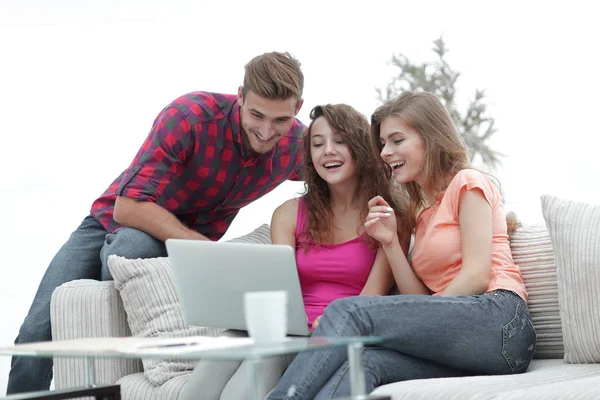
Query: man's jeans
{"x": 83, "y": 256}
{"x": 424, "y": 337}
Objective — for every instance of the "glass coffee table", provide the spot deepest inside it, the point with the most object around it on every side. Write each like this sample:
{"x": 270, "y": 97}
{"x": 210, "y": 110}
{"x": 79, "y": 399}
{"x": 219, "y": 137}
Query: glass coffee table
{"x": 191, "y": 348}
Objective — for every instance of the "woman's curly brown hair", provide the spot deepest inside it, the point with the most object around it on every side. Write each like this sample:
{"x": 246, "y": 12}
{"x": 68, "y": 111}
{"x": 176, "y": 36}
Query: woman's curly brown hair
{"x": 374, "y": 175}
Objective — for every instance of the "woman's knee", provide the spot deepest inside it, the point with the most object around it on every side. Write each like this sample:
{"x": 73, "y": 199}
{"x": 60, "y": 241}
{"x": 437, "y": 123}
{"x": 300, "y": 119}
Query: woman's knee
{"x": 339, "y": 307}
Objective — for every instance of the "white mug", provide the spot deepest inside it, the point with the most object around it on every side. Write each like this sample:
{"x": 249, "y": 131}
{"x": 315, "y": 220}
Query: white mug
{"x": 266, "y": 316}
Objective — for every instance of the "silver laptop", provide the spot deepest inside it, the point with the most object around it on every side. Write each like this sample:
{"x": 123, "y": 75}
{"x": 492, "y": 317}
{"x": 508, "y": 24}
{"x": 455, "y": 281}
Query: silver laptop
{"x": 212, "y": 277}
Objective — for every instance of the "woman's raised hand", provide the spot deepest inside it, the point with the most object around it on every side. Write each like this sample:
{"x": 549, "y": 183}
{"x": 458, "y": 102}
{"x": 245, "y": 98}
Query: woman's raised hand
{"x": 381, "y": 222}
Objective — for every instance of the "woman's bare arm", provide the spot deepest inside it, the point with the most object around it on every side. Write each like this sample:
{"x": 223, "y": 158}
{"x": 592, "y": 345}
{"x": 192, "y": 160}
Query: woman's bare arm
{"x": 475, "y": 218}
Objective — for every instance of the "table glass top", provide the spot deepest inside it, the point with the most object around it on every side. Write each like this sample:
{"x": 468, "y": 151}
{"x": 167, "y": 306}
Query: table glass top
{"x": 190, "y": 348}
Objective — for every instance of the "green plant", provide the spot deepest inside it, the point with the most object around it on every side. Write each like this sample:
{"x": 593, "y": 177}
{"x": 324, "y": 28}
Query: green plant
{"x": 437, "y": 77}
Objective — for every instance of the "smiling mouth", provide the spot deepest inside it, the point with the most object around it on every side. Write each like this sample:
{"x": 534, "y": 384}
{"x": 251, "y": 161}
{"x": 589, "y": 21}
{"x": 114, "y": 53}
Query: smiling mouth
{"x": 261, "y": 138}
{"x": 397, "y": 165}
{"x": 333, "y": 165}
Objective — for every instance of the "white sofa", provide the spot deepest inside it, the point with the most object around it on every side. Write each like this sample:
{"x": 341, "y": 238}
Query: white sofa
{"x": 95, "y": 309}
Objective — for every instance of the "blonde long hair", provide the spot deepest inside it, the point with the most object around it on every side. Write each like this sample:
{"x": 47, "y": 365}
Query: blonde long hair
{"x": 446, "y": 152}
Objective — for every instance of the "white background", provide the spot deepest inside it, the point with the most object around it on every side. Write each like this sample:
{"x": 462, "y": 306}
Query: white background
{"x": 81, "y": 82}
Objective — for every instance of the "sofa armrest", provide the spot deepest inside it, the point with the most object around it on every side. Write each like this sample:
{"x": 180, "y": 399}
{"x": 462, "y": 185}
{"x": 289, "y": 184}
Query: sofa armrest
{"x": 87, "y": 308}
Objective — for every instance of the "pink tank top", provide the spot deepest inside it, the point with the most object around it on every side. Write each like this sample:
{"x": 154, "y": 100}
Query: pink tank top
{"x": 329, "y": 272}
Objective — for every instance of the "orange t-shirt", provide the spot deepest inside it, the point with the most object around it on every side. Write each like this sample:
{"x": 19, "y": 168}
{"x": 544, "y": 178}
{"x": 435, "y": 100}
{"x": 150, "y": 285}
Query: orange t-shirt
{"x": 437, "y": 253}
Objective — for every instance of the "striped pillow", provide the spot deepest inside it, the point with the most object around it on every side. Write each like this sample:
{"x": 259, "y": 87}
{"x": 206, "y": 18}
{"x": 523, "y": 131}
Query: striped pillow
{"x": 532, "y": 252}
{"x": 147, "y": 288}
{"x": 575, "y": 233}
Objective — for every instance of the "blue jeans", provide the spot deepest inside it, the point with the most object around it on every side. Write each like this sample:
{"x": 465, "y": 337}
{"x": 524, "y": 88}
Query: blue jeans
{"x": 83, "y": 256}
{"x": 424, "y": 337}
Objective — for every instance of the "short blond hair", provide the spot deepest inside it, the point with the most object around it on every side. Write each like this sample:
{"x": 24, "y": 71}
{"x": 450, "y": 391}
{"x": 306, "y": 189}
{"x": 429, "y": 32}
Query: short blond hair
{"x": 275, "y": 76}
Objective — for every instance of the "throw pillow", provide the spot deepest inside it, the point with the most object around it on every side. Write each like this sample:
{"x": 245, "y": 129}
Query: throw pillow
{"x": 575, "y": 233}
{"x": 147, "y": 288}
{"x": 532, "y": 251}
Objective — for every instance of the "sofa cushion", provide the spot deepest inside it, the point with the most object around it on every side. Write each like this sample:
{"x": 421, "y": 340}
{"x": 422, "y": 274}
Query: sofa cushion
{"x": 538, "y": 382}
{"x": 147, "y": 288}
{"x": 575, "y": 233}
{"x": 578, "y": 388}
{"x": 87, "y": 308}
{"x": 532, "y": 252}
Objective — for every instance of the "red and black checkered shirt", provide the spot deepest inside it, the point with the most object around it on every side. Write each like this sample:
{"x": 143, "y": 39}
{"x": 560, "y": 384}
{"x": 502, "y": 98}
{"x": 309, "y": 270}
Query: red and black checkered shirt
{"x": 193, "y": 164}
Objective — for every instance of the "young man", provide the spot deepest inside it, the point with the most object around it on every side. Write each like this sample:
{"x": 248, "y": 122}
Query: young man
{"x": 207, "y": 156}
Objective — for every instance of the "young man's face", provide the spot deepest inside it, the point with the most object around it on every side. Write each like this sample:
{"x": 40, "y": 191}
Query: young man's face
{"x": 264, "y": 121}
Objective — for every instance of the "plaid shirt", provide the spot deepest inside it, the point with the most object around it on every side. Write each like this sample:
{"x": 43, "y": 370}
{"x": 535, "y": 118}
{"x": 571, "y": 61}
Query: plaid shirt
{"x": 193, "y": 165}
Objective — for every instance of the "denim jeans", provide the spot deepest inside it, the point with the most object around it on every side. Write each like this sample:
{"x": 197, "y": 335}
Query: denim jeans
{"x": 83, "y": 256}
{"x": 423, "y": 337}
